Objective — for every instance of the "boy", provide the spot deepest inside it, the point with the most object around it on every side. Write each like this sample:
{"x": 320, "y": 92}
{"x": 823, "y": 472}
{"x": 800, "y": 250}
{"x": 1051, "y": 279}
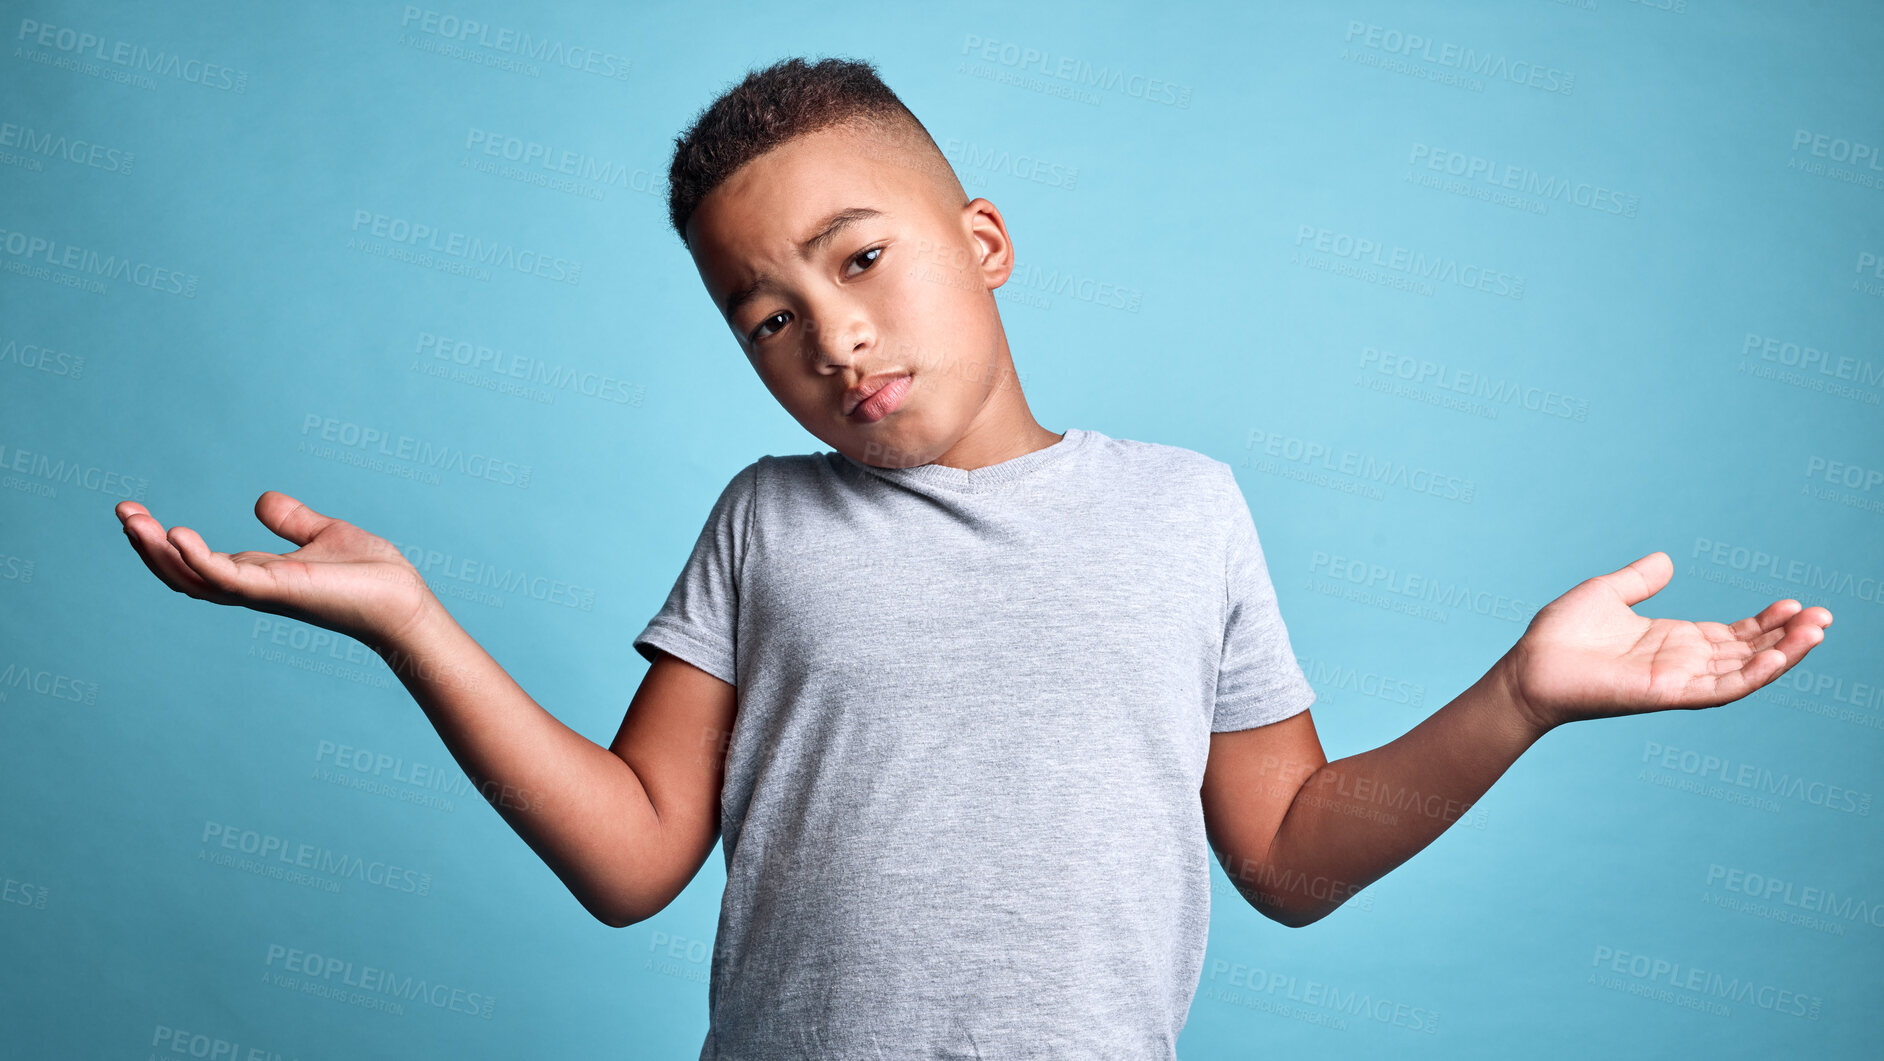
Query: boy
{"x": 971, "y": 701}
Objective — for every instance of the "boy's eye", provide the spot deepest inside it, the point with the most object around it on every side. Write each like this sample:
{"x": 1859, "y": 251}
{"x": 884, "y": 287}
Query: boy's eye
{"x": 874, "y": 253}
{"x": 760, "y": 332}
{"x": 870, "y": 257}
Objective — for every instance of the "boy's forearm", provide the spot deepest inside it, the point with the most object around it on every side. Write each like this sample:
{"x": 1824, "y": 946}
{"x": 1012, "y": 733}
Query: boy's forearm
{"x": 578, "y": 805}
{"x": 1356, "y": 818}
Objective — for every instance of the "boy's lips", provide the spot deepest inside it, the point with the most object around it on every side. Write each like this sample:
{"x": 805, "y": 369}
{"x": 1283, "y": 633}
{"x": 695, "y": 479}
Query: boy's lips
{"x": 867, "y": 387}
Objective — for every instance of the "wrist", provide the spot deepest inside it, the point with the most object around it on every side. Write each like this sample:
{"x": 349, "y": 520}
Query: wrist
{"x": 428, "y": 649}
{"x": 1535, "y": 722}
{"x": 417, "y": 625}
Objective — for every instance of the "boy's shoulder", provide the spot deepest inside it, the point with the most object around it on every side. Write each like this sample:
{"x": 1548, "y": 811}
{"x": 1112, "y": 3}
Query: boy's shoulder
{"x": 1164, "y": 455}
{"x": 1167, "y": 469}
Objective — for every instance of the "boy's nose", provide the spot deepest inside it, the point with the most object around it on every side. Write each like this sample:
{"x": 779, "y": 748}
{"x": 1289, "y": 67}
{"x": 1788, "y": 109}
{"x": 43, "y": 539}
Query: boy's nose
{"x": 838, "y": 347}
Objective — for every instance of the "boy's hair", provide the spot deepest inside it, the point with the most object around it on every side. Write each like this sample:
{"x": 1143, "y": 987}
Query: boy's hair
{"x": 786, "y": 100}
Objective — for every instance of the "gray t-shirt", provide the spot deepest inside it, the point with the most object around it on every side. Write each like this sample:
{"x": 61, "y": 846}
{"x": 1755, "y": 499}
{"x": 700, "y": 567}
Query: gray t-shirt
{"x": 961, "y": 814}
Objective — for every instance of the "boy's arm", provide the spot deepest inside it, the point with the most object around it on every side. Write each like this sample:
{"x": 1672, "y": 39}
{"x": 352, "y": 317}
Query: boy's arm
{"x": 625, "y": 827}
{"x": 1300, "y": 835}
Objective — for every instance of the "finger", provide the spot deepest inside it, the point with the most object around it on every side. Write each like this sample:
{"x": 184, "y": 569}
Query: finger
{"x": 1801, "y": 635}
{"x": 1731, "y": 654}
{"x": 161, "y": 557}
{"x": 1764, "y": 640}
{"x": 168, "y": 578}
{"x": 1727, "y": 651}
{"x": 289, "y": 518}
{"x": 1641, "y": 579}
{"x": 1737, "y": 643}
{"x": 1767, "y": 664}
{"x": 1816, "y": 615}
{"x": 225, "y": 578}
{"x": 1772, "y": 617}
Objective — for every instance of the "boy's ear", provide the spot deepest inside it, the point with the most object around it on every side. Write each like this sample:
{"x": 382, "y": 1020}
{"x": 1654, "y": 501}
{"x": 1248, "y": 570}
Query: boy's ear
{"x": 989, "y": 231}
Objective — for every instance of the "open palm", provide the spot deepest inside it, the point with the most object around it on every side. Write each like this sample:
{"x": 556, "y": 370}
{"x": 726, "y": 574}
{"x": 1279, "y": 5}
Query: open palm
{"x": 1588, "y": 655}
{"x": 341, "y": 578}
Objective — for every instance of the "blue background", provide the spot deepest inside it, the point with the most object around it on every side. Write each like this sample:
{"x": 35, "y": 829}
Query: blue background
{"x": 1668, "y": 203}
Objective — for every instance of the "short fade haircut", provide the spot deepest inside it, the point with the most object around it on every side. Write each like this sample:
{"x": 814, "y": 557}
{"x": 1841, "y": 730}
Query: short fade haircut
{"x": 784, "y": 101}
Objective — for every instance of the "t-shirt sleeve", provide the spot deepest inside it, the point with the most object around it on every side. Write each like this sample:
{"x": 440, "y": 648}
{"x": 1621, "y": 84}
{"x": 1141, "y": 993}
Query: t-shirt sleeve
{"x": 699, "y": 622}
{"x": 1258, "y": 679}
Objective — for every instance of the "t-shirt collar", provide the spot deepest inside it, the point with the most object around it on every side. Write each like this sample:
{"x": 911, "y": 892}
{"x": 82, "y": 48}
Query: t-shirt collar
{"x": 973, "y": 479}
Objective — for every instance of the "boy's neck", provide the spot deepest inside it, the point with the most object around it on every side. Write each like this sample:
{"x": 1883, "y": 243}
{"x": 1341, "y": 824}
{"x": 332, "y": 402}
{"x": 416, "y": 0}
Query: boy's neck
{"x": 995, "y": 443}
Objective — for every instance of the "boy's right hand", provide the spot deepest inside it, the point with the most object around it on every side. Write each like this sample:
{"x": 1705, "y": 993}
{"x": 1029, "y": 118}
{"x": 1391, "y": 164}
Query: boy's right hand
{"x": 341, "y": 578}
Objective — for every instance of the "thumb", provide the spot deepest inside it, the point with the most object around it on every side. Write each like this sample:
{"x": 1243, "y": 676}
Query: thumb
{"x": 1642, "y": 579}
{"x": 289, "y": 518}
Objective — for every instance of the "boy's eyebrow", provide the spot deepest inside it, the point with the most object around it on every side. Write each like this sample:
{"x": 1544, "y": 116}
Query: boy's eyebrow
{"x": 827, "y": 230}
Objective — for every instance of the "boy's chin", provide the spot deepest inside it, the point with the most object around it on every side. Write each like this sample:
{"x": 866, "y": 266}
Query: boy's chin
{"x": 883, "y": 445}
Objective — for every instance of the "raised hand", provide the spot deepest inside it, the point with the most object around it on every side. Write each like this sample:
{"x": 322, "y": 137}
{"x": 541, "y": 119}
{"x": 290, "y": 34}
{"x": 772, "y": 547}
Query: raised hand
{"x": 341, "y": 578}
{"x": 1587, "y": 655}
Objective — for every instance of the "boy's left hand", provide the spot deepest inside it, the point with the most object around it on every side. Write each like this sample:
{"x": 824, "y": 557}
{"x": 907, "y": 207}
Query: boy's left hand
{"x": 1587, "y": 655}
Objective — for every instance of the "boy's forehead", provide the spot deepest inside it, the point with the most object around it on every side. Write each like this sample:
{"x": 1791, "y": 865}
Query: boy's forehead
{"x": 767, "y": 208}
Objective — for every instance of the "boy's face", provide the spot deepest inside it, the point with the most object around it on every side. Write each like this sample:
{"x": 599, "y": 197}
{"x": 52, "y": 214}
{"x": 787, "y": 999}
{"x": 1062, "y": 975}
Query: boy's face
{"x": 899, "y": 284}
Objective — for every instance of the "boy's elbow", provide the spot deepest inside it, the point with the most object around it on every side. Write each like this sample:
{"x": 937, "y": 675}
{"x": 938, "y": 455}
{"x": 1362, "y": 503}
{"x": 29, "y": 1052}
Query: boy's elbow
{"x": 619, "y": 918}
{"x": 617, "y": 914}
{"x": 612, "y": 918}
{"x": 1288, "y": 910}
{"x": 1295, "y": 916}
{"x": 609, "y": 916}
